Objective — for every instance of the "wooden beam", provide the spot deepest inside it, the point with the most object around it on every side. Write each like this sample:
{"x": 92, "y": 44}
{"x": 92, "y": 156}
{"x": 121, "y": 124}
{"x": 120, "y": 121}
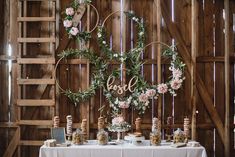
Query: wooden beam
{"x": 227, "y": 80}
{"x": 36, "y": 40}
{"x": 7, "y": 58}
{"x": 210, "y": 59}
{"x": 13, "y": 144}
{"x": 159, "y": 60}
{"x": 185, "y": 54}
{"x": 8, "y": 125}
{"x": 30, "y": 143}
{"x": 194, "y": 50}
{"x": 35, "y": 81}
{"x": 36, "y": 19}
{"x": 36, "y": 122}
{"x": 37, "y": 0}
{"x": 36, "y": 60}
{"x": 33, "y": 102}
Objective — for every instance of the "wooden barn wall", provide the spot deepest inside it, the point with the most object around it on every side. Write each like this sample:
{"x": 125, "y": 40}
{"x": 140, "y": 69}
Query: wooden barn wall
{"x": 210, "y": 65}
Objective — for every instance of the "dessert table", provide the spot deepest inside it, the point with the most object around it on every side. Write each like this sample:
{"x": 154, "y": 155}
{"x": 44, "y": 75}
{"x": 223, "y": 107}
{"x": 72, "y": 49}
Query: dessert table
{"x": 122, "y": 150}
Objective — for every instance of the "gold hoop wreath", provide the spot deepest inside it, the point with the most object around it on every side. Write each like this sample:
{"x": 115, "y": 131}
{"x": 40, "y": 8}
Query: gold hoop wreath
{"x": 111, "y": 54}
{"x": 139, "y": 98}
{"x": 71, "y": 13}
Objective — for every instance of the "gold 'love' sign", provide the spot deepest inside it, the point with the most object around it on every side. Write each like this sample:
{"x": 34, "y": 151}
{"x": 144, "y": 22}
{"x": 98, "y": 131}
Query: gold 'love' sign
{"x": 120, "y": 89}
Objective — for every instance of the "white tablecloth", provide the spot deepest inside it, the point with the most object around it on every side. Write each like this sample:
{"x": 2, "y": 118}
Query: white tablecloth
{"x": 124, "y": 150}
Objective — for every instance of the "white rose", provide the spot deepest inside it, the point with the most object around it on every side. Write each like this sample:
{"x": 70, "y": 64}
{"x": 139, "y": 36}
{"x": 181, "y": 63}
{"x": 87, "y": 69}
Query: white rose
{"x": 69, "y": 11}
{"x": 68, "y": 23}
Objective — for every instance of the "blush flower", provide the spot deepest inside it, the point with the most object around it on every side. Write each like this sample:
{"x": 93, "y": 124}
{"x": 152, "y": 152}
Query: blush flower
{"x": 162, "y": 88}
{"x": 117, "y": 120}
{"x": 69, "y": 11}
{"x": 151, "y": 92}
{"x": 177, "y": 73}
{"x": 176, "y": 84}
{"x": 68, "y": 23}
{"x": 124, "y": 104}
{"x": 143, "y": 97}
{"x": 74, "y": 31}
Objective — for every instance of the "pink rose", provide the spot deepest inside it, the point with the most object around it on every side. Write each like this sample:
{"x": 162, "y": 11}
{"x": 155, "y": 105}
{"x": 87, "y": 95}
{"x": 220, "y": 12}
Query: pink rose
{"x": 151, "y": 92}
{"x": 143, "y": 97}
{"x": 124, "y": 104}
{"x": 68, "y": 23}
{"x": 176, "y": 84}
{"x": 177, "y": 73}
{"x": 117, "y": 120}
{"x": 74, "y": 31}
{"x": 69, "y": 11}
{"x": 162, "y": 88}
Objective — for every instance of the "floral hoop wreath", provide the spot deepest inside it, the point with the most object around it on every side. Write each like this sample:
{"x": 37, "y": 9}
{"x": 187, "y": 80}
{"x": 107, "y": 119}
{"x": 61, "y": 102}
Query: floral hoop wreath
{"x": 71, "y": 24}
{"x": 113, "y": 55}
{"x": 144, "y": 92}
{"x": 98, "y": 74}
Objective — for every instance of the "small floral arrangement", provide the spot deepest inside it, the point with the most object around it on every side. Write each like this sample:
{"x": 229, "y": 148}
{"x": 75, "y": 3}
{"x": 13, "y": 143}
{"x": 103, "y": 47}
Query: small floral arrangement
{"x": 119, "y": 124}
{"x": 69, "y": 23}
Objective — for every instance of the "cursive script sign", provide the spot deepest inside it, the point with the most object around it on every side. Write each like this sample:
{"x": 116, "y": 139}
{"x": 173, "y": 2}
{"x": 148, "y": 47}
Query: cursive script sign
{"x": 120, "y": 89}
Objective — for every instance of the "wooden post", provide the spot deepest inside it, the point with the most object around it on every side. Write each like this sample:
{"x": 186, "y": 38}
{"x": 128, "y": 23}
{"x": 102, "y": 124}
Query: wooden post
{"x": 227, "y": 81}
{"x": 193, "y": 64}
{"x": 88, "y": 72}
{"x": 159, "y": 72}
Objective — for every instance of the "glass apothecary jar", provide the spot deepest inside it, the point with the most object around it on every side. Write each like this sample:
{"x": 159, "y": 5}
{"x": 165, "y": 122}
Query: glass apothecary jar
{"x": 78, "y": 137}
{"x": 102, "y": 137}
{"x": 155, "y": 138}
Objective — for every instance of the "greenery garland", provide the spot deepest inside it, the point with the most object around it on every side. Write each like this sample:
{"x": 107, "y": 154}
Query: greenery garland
{"x": 113, "y": 55}
{"x": 98, "y": 67}
{"x": 69, "y": 25}
{"x": 139, "y": 98}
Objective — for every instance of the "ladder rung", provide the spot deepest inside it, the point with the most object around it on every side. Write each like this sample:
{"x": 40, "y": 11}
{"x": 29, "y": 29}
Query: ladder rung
{"x": 36, "y": 122}
{"x": 35, "y": 19}
{"x": 35, "y": 81}
{"x": 30, "y": 143}
{"x": 38, "y": 0}
{"x": 36, "y": 40}
{"x": 36, "y": 60}
{"x": 32, "y": 102}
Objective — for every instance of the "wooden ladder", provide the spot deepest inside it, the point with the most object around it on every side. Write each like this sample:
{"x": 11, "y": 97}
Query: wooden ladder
{"x": 23, "y": 60}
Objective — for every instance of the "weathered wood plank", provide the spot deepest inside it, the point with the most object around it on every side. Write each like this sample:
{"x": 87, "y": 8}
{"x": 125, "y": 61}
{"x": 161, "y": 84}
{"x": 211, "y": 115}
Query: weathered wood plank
{"x": 36, "y": 19}
{"x": 194, "y": 51}
{"x": 36, "y": 40}
{"x": 13, "y": 144}
{"x": 227, "y": 78}
{"x": 35, "y": 81}
{"x": 30, "y": 143}
{"x": 36, "y": 122}
{"x": 183, "y": 50}
{"x": 34, "y": 102}
{"x": 36, "y": 60}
